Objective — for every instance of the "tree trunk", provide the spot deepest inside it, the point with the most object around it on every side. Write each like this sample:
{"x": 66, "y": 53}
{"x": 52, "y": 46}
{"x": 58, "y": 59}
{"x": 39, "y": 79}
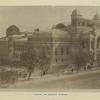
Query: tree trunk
{"x": 30, "y": 73}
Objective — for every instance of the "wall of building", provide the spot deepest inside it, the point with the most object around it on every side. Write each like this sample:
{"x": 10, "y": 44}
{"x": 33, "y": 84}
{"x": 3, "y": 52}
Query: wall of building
{"x": 4, "y": 52}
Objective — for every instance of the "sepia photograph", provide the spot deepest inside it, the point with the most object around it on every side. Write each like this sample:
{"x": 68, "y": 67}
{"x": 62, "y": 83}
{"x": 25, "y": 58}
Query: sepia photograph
{"x": 50, "y": 47}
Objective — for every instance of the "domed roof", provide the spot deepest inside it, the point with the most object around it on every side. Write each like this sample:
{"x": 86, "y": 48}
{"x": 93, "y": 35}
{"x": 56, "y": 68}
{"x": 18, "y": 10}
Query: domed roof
{"x": 60, "y": 26}
{"x": 13, "y": 29}
{"x": 96, "y": 17}
{"x": 76, "y": 12}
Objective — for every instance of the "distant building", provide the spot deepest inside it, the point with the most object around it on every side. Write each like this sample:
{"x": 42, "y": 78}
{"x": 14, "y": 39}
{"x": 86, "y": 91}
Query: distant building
{"x": 13, "y": 45}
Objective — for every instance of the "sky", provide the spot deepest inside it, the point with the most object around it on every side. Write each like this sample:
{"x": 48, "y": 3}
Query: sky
{"x": 27, "y": 18}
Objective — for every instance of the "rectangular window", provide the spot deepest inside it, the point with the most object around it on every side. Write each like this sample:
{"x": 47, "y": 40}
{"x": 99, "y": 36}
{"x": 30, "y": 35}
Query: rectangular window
{"x": 62, "y": 60}
{"x": 55, "y": 52}
{"x": 83, "y": 24}
{"x": 62, "y": 52}
{"x": 67, "y": 50}
{"x": 83, "y": 44}
{"x": 56, "y": 59}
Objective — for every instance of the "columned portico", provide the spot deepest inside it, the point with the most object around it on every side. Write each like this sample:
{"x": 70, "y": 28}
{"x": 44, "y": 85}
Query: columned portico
{"x": 95, "y": 44}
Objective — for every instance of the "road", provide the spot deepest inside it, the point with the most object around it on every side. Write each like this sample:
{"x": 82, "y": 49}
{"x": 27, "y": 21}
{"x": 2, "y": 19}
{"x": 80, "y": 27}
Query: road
{"x": 84, "y": 80}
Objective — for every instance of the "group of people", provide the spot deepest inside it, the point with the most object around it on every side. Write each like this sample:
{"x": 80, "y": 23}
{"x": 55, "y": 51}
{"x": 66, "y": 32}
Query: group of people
{"x": 86, "y": 67}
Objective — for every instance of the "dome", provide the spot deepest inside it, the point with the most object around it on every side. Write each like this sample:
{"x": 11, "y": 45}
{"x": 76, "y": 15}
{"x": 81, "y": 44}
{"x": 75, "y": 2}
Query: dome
{"x": 60, "y": 26}
{"x": 76, "y": 12}
{"x": 12, "y": 30}
{"x": 96, "y": 17}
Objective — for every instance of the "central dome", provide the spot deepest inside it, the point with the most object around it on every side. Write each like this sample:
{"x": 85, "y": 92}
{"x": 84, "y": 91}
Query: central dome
{"x": 12, "y": 30}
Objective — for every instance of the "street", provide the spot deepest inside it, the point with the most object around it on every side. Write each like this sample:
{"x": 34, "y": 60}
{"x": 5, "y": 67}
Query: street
{"x": 84, "y": 80}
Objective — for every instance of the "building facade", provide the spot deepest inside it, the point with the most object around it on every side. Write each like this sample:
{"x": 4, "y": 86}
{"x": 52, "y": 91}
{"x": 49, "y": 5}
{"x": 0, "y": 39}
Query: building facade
{"x": 58, "y": 43}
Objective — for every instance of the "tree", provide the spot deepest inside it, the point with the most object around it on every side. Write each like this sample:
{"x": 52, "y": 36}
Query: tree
{"x": 44, "y": 62}
{"x": 80, "y": 58}
{"x": 29, "y": 60}
{"x": 37, "y": 30}
{"x": 34, "y": 58}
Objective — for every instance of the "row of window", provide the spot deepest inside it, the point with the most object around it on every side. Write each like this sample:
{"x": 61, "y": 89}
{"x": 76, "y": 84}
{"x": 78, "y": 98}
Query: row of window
{"x": 17, "y": 55}
{"x": 62, "y": 51}
{"x": 84, "y": 44}
{"x": 20, "y": 48}
{"x": 59, "y": 60}
{"x": 82, "y": 23}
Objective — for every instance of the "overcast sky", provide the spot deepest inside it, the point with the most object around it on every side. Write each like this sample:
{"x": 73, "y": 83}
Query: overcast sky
{"x": 27, "y": 18}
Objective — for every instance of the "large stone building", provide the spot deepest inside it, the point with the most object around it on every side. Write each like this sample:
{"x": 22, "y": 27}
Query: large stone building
{"x": 59, "y": 42}
{"x": 81, "y": 35}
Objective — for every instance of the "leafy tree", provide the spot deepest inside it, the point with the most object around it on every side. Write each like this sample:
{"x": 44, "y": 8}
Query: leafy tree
{"x": 44, "y": 62}
{"x": 37, "y": 30}
{"x": 29, "y": 60}
{"x": 79, "y": 59}
{"x": 34, "y": 58}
